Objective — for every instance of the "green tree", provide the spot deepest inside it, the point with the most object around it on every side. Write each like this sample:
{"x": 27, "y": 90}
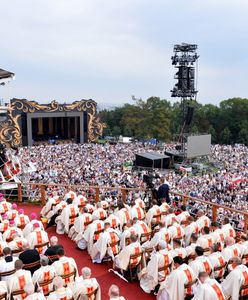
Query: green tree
{"x": 226, "y": 136}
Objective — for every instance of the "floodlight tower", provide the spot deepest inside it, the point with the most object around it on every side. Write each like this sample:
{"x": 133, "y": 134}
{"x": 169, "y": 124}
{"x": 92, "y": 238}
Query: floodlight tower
{"x": 183, "y": 60}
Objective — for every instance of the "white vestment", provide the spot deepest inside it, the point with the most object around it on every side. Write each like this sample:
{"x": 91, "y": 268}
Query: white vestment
{"x": 38, "y": 237}
{"x": 153, "y": 215}
{"x": 201, "y": 264}
{"x": 162, "y": 235}
{"x": 232, "y": 283}
{"x": 8, "y": 234}
{"x": 61, "y": 293}
{"x": 21, "y": 220}
{"x": 202, "y": 222}
{"x": 210, "y": 290}
{"x": 18, "y": 280}
{"x": 99, "y": 214}
{"x": 64, "y": 266}
{"x": 169, "y": 219}
{"x": 44, "y": 273}
{"x": 89, "y": 235}
{"x": 137, "y": 212}
{"x": 231, "y": 251}
{"x": 29, "y": 227}
{"x": 68, "y": 215}
{"x": 125, "y": 236}
{"x": 228, "y": 230}
{"x": 123, "y": 215}
{"x": 7, "y": 266}
{"x": 123, "y": 258}
{"x": 182, "y": 217}
{"x": 79, "y": 225}
{"x": 36, "y": 296}
{"x": 84, "y": 286}
{"x": 175, "y": 282}
{"x": 151, "y": 275}
{"x": 5, "y": 206}
{"x": 102, "y": 245}
{"x": 217, "y": 260}
{"x": 176, "y": 231}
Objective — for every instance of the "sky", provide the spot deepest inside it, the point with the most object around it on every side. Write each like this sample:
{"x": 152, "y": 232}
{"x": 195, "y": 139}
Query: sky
{"x": 109, "y": 50}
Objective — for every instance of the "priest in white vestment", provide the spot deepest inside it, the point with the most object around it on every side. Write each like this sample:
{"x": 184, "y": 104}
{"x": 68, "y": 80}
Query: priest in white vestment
{"x": 44, "y": 273}
{"x": 38, "y": 237}
{"x": 201, "y": 263}
{"x": 31, "y": 295}
{"x": 84, "y": 285}
{"x": 102, "y": 245}
{"x": 174, "y": 285}
{"x": 61, "y": 292}
{"x": 64, "y": 266}
{"x": 207, "y": 289}
{"x": 18, "y": 280}
{"x": 235, "y": 279}
{"x": 122, "y": 259}
{"x": 157, "y": 269}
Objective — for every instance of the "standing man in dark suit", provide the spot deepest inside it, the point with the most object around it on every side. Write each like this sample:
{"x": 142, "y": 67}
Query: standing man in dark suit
{"x": 163, "y": 191}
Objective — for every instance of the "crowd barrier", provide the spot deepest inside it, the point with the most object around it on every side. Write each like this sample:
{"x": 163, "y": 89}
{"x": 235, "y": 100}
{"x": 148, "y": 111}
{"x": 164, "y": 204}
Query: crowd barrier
{"x": 38, "y": 193}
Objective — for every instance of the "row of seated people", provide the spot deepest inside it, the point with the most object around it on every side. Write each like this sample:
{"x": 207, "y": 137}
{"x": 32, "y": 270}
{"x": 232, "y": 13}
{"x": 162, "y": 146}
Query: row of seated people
{"x": 131, "y": 237}
{"x": 28, "y": 263}
{"x": 49, "y": 275}
{"x": 56, "y": 281}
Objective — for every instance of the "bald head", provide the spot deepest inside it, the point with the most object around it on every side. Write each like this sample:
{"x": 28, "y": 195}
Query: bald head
{"x": 54, "y": 240}
{"x": 86, "y": 272}
{"x": 18, "y": 264}
{"x": 229, "y": 241}
{"x": 114, "y": 291}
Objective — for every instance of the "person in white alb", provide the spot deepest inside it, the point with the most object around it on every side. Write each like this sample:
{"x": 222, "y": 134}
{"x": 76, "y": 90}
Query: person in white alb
{"x": 114, "y": 293}
{"x": 235, "y": 279}
{"x": 174, "y": 285}
{"x": 44, "y": 273}
{"x": 207, "y": 288}
{"x": 157, "y": 268}
{"x": 7, "y": 263}
{"x": 85, "y": 285}
{"x": 31, "y": 295}
{"x": 18, "y": 280}
{"x": 64, "y": 266}
{"x": 103, "y": 245}
{"x": 38, "y": 237}
{"x": 201, "y": 263}
{"x": 61, "y": 292}
{"x": 122, "y": 259}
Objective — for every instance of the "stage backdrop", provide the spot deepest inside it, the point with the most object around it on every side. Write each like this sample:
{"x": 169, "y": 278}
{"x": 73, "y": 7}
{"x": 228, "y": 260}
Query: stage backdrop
{"x": 21, "y": 110}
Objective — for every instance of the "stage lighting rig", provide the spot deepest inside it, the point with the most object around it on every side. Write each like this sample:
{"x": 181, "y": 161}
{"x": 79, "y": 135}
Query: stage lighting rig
{"x": 183, "y": 60}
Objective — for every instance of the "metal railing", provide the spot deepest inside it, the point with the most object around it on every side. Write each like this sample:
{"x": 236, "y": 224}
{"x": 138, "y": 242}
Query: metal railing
{"x": 95, "y": 193}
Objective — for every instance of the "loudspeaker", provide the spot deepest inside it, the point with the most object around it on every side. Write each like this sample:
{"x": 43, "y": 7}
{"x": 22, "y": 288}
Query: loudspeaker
{"x": 189, "y": 115}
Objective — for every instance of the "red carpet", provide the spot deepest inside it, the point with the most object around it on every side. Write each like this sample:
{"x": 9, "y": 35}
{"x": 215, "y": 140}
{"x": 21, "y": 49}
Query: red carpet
{"x": 131, "y": 291}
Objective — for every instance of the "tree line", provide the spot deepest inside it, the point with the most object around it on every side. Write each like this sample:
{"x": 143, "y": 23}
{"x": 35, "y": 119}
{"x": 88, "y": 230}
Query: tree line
{"x": 161, "y": 119}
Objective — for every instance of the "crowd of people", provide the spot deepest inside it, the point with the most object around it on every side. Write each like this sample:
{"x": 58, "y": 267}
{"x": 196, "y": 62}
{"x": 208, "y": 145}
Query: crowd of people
{"x": 32, "y": 267}
{"x": 104, "y": 165}
{"x": 172, "y": 247}
{"x": 172, "y": 253}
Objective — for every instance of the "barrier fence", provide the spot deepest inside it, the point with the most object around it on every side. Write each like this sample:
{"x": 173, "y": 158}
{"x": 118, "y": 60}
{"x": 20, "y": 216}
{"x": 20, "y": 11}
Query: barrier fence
{"x": 38, "y": 192}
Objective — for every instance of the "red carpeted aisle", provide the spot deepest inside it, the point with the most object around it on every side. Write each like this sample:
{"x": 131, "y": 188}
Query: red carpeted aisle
{"x": 131, "y": 291}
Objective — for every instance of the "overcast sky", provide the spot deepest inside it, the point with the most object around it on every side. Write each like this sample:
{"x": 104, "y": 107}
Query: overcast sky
{"x": 108, "y": 50}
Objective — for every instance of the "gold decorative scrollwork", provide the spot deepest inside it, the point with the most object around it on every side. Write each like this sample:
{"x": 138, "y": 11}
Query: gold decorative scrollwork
{"x": 10, "y": 129}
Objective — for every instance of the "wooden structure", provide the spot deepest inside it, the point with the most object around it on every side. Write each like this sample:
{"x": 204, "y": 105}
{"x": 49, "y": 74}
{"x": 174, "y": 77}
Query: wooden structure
{"x": 124, "y": 193}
